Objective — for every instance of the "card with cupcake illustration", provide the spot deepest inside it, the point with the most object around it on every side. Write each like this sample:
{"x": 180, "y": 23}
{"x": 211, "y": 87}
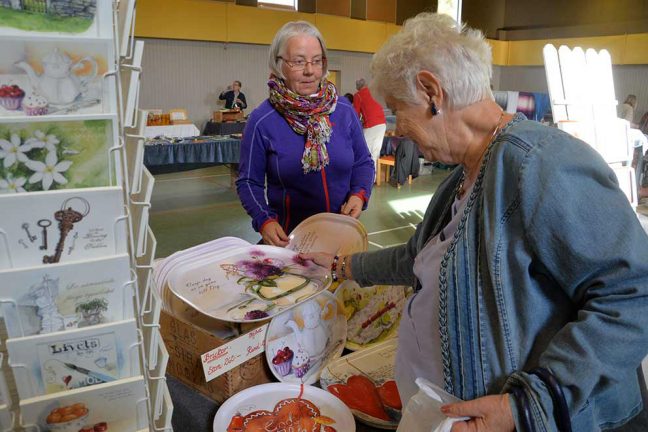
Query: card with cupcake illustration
{"x": 63, "y": 297}
{"x": 302, "y": 341}
{"x": 60, "y": 154}
{"x": 114, "y": 406}
{"x": 56, "y": 18}
{"x": 61, "y": 226}
{"x": 50, "y": 77}
{"x": 58, "y": 362}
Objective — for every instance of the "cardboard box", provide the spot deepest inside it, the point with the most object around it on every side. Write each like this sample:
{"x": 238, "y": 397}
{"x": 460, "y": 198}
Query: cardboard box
{"x": 228, "y": 115}
{"x": 186, "y": 342}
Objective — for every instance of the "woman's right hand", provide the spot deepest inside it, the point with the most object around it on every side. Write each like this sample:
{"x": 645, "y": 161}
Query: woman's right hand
{"x": 322, "y": 259}
{"x": 274, "y": 235}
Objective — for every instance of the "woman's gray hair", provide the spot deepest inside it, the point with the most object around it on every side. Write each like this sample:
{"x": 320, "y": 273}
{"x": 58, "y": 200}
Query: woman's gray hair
{"x": 290, "y": 29}
{"x": 459, "y": 56}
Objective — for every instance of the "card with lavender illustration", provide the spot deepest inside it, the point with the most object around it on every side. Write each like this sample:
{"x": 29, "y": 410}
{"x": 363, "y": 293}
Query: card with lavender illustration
{"x": 114, "y": 406}
{"x": 62, "y": 297}
{"x": 56, "y": 18}
{"x": 251, "y": 284}
{"x": 49, "y": 77}
{"x": 61, "y": 226}
{"x": 58, "y": 362}
{"x": 56, "y": 155}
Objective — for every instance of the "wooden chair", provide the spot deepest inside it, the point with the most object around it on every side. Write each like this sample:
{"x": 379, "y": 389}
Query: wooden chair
{"x": 388, "y": 161}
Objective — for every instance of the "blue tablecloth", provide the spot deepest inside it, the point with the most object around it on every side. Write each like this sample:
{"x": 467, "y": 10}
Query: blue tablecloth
{"x": 218, "y": 128}
{"x": 191, "y": 153}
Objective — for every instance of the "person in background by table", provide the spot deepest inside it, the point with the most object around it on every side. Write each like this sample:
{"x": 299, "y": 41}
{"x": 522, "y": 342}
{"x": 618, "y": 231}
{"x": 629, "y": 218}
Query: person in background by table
{"x": 530, "y": 266}
{"x": 303, "y": 147}
{"x": 627, "y": 110}
{"x": 233, "y": 97}
{"x": 349, "y": 97}
{"x": 372, "y": 118}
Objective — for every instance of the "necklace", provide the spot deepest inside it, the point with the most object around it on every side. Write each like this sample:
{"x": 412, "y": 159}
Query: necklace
{"x": 460, "y": 189}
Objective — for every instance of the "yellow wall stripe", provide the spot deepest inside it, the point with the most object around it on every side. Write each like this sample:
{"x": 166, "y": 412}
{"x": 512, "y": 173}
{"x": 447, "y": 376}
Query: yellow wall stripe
{"x": 210, "y": 20}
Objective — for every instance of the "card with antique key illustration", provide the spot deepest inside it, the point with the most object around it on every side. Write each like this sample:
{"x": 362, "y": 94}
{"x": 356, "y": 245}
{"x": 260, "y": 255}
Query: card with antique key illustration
{"x": 62, "y": 297}
{"x": 61, "y": 226}
{"x": 84, "y": 357}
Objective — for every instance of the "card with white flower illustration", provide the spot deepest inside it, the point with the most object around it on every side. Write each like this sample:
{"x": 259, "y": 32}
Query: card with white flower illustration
{"x": 250, "y": 284}
{"x": 62, "y": 297}
{"x": 61, "y": 226}
{"x": 63, "y": 361}
{"x": 58, "y": 154}
{"x": 52, "y": 19}
{"x": 114, "y": 406}
{"x": 50, "y": 77}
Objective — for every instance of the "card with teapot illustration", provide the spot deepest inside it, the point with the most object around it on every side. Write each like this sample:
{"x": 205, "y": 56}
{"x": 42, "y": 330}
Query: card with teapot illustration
{"x": 57, "y": 19}
{"x": 63, "y": 361}
{"x": 61, "y": 226}
{"x": 67, "y": 153}
{"x": 115, "y": 406}
{"x": 63, "y": 297}
{"x": 46, "y": 78}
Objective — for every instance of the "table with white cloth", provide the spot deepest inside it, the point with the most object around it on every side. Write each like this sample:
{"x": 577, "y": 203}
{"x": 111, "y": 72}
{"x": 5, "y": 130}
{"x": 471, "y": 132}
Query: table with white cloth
{"x": 173, "y": 131}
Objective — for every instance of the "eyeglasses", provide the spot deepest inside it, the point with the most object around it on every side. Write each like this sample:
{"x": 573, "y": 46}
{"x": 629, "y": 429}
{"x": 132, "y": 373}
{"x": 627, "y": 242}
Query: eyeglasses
{"x": 301, "y": 63}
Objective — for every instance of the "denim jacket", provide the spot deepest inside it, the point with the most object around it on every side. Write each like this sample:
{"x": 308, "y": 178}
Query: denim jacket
{"x": 548, "y": 267}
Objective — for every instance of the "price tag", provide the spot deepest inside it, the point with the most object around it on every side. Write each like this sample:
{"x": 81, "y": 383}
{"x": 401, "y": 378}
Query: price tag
{"x": 226, "y": 357}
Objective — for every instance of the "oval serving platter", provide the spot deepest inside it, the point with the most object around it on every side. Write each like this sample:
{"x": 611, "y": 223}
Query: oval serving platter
{"x": 364, "y": 381}
{"x": 254, "y": 284}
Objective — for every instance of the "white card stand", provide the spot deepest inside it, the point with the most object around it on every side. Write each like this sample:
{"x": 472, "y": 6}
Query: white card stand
{"x": 144, "y": 266}
{"x": 7, "y": 416}
{"x": 125, "y": 23}
{"x": 163, "y": 423}
{"x": 157, "y": 379}
{"x": 151, "y": 327}
{"x": 139, "y": 209}
{"x": 131, "y": 80}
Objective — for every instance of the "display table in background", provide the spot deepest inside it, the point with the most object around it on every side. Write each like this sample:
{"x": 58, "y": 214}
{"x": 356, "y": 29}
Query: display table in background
{"x": 163, "y": 156}
{"x": 173, "y": 131}
{"x": 223, "y": 128}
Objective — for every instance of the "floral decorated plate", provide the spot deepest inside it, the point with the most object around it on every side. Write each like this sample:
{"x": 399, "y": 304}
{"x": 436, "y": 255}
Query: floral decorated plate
{"x": 364, "y": 381}
{"x": 373, "y": 313}
{"x": 282, "y": 407}
{"x": 329, "y": 232}
{"x": 254, "y": 284}
{"x": 300, "y": 342}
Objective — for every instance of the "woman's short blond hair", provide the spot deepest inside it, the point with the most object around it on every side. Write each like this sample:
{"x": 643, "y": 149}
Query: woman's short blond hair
{"x": 278, "y": 46}
{"x": 459, "y": 56}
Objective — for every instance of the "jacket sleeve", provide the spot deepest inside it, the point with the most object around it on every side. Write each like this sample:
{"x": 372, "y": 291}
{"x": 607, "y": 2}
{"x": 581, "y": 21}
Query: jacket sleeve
{"x": 362, "y": 177}
{"x": 391, "y": 266}
{"x": 223, "y": 95}
{"x": 243, "y": 101}
{"x": 356, "y": 104}
{"x": 590, "y": 242}
{"x": 250, "y": 184}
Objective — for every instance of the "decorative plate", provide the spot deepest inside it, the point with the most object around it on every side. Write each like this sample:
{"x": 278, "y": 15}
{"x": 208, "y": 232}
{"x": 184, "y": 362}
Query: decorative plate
{"x": 282, "y": 407}
{"x": 364, "y": 381}
{"x": 254, "y": 284}
{"x": 329, "y": 232}
{"x": 373, "y": 313}
{"x": 300, "y": 342}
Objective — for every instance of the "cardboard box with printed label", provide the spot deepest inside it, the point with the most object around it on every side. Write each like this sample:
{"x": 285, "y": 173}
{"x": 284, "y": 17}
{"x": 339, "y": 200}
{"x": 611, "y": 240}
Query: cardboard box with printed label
{"x": 186, "y": 342}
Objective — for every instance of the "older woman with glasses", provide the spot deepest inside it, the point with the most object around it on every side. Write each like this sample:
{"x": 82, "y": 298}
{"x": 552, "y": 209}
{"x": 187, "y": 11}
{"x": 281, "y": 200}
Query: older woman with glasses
{"x": 303, "y": 147}
{"x": 530, "y": 266}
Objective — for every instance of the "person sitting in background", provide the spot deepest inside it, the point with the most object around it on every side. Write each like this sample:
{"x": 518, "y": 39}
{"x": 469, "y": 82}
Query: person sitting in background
{"x": 372, "y": 118}
{"x": 627, "y": 110}
{"x": 349, "y": 97}
{"x": 233, "y": 97}
{"x": 530, "y": 266}
{"x": 303, "y": 147}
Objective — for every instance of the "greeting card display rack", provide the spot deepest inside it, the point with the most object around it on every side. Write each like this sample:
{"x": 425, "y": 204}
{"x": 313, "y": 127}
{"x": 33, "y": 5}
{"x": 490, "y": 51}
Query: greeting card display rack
{"x": 83, "y": 322}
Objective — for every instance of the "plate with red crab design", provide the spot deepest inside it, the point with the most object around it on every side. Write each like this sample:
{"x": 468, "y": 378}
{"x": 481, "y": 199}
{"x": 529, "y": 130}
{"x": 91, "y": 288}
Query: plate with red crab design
{"x": 252, "y": 284}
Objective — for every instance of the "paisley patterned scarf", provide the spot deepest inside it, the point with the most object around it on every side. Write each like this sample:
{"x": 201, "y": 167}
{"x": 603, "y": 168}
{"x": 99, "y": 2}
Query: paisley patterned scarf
{"x": 307, "y": 115}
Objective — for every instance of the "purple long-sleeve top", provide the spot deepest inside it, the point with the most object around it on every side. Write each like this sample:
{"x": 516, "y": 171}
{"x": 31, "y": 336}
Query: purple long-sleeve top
{"x": 271, "y": 151}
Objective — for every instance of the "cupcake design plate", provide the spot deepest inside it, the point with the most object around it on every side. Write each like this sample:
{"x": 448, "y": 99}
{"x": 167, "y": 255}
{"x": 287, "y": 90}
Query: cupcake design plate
{"x": 373, "y": 313}
{"x": 282, "y": 407}
{"x": 256, "y": 283}
{"x": 364, "y": 381}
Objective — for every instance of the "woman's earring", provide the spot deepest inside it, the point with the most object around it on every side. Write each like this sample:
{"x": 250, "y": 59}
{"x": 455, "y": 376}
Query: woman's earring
{"x": 434, "y": 109}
